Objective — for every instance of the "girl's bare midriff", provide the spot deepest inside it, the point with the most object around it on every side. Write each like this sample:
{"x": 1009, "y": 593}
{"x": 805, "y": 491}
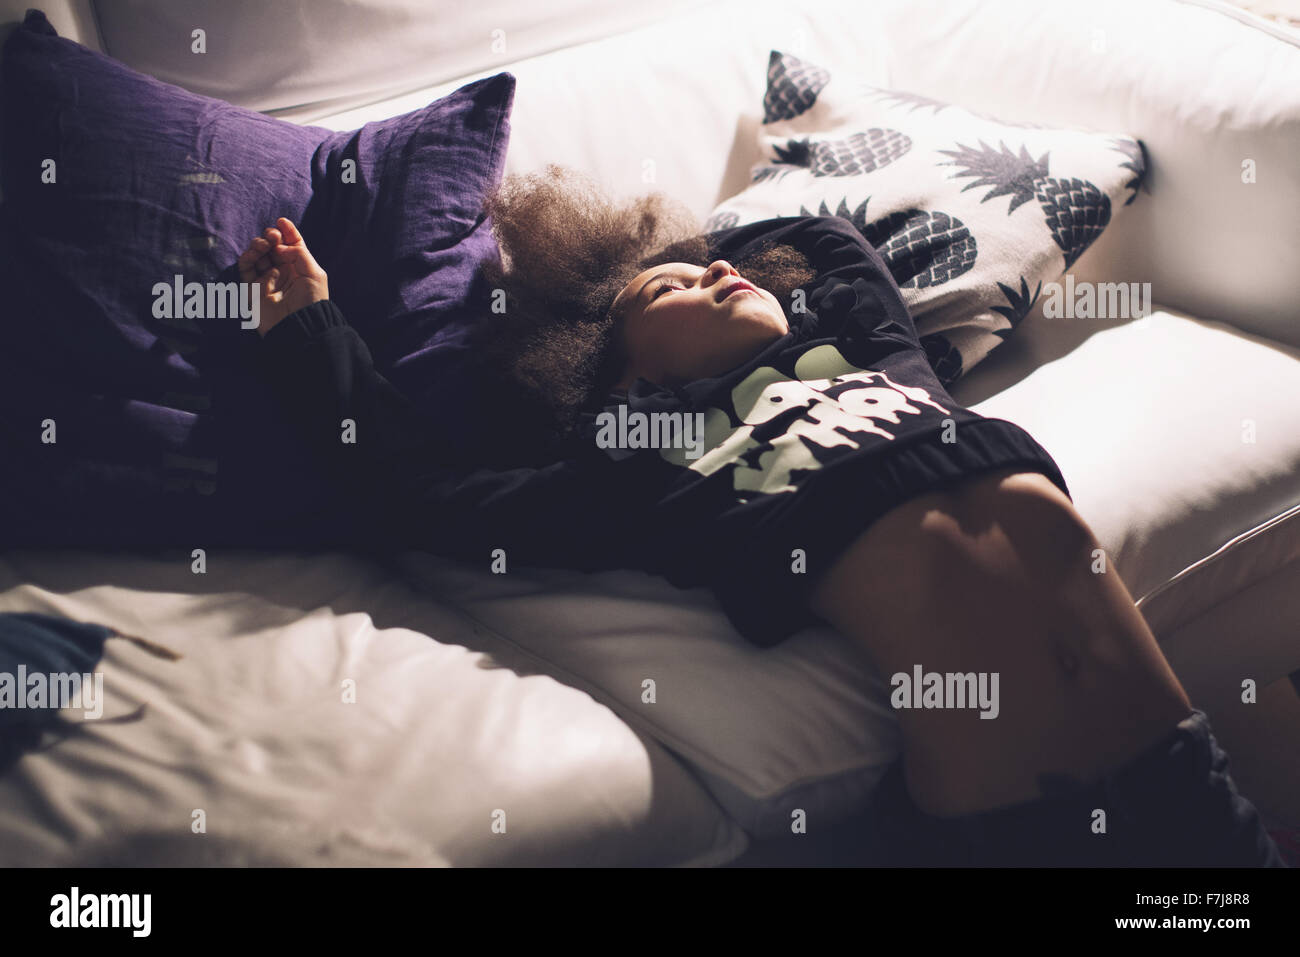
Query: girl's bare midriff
{"x": 1000, "y": 574}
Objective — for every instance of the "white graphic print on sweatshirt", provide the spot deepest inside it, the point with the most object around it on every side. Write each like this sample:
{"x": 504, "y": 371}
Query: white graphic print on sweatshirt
{"x": 863, "y": 400}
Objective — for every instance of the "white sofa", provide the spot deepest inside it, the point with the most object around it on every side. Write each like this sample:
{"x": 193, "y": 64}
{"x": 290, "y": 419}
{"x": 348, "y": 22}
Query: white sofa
{"x": 521, "y": 698}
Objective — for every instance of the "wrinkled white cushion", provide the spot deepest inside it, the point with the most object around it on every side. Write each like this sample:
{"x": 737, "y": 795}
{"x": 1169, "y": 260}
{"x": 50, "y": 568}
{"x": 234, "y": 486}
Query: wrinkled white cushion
{"x": 805, "y": 725}
{"x": 1152, "y": 422}
{"x": 251, "y": 727}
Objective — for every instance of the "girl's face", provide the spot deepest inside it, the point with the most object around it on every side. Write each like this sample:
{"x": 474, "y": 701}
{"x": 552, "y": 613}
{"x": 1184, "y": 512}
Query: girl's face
{"x": 685, "y": 322}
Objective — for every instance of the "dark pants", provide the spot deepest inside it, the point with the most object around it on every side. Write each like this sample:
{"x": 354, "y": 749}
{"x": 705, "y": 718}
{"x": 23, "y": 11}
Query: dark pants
{"x": 1174, "y": 805}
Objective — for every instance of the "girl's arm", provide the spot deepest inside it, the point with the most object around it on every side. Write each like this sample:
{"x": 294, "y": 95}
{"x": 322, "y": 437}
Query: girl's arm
{"x": 577, "y": 514}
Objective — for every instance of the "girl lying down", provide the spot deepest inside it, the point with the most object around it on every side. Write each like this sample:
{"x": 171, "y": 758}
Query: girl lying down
{"x": 837, "y": 482}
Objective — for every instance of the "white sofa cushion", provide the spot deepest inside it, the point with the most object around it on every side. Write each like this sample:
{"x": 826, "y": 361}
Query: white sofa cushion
{"x": 803, "y": 726}
{"x": 252, "y": 727}
{"x": 1179, "y": 438}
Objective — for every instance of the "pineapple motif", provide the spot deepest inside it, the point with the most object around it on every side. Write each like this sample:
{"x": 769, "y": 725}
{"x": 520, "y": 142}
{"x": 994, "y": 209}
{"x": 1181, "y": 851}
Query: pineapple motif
{"x": 928, "y": 248}
{"x": 770, "y": 171}
{"x": 944, "y": 358}
{"x": 721, "y": 220}
{"x": 1137, "y": 162}
{"x": 921, "y": 249}
{"x": 915, "y": 101}
{"x": 792, "y": 86}
{"x": 1076, "y": 210}
{"x": 856, "y": 217}
{"x": 859, "y": 153}
{"x": 1018, "y": 305}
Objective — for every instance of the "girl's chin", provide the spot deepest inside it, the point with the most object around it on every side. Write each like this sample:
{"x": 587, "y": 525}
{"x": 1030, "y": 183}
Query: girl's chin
{"x": 759, "y": 316}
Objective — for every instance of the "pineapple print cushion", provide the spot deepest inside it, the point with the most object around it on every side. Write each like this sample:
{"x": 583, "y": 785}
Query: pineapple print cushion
{"x": 971, "y": 214}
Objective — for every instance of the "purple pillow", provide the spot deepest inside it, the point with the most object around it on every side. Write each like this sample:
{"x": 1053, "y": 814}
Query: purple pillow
{"x": 165, "y": 434}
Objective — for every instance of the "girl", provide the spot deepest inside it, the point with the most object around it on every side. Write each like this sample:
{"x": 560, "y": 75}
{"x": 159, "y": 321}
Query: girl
{"x": 837, "y": 481}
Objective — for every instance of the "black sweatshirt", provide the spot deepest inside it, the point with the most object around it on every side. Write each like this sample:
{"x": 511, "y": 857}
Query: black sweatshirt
{"x": 805, "y": 444}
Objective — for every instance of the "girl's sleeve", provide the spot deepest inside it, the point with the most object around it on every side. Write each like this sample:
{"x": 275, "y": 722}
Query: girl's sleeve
{"x": 576, "y": 514}
{"x": 854, "y": 294}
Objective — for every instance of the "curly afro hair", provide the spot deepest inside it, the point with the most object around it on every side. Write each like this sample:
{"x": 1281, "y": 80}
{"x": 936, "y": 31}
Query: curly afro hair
{"x": 566, "y": 251}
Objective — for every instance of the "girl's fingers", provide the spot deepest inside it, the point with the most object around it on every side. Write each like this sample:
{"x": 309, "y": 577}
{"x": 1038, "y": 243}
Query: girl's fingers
{"x": 276, "y": 246}
{"x": 245, "y": 265}
{"x": 297, "y": 256}
{"x": 291, "y": 235}
{"x": 295, "y": 247}
{"x": 255, "y": 249}
{"x": 300, "y": 257}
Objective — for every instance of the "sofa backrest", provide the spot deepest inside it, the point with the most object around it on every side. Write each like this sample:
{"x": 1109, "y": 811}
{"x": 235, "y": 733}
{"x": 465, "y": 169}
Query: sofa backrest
{"x": 74, "y": 19}
{"x": 674, "y": 104}
{"x": 278, "y": 56}
{"x": 1213, "y": 92}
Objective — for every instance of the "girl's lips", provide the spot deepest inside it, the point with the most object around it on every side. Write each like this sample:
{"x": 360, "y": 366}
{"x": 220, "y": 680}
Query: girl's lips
{"x": 739, "y": 287}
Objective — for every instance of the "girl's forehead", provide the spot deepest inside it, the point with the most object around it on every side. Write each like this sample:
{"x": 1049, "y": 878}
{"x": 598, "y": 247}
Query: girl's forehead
{"x": 676, "y": 269}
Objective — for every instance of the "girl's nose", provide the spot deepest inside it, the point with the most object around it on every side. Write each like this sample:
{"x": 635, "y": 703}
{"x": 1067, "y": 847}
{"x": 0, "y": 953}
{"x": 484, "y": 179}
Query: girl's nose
{"x": 714, "y": 267}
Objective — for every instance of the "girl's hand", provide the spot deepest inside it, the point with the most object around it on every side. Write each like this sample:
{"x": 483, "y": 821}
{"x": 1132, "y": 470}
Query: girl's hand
{"x": 289, "y": 277}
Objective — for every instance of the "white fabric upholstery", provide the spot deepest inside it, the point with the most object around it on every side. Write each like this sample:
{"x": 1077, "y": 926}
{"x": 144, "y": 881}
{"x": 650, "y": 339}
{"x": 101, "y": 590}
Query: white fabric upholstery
{"x": 280, "y": 56}
{"x": 1204, "y": 90}
{"x": 74, "y": 19}
{"x": 252, "y": 728}
{"x": 1151, "y": 422}
{"x": 802, "y": 726}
